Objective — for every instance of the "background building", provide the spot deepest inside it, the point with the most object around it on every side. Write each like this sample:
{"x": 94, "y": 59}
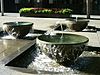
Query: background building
{"x": 78, "y": 6}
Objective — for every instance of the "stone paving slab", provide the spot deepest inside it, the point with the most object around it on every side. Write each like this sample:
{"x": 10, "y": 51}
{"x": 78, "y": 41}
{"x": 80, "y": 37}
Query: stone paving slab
{"x": 16, "y": 71}
{"x": 39, "y": 23}
{"x": 12, "y": 48}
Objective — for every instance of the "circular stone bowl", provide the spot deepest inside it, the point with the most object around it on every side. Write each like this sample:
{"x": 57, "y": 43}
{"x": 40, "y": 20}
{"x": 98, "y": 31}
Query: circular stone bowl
{"x": 64, "y": 48}
{"x": 77, "y": 25}
{"x": 17, "y": 29}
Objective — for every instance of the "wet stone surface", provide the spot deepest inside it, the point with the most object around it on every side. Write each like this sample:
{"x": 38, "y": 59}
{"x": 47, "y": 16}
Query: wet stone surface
{"x": 25, "y": 58}
{"x": 87, "y": 63}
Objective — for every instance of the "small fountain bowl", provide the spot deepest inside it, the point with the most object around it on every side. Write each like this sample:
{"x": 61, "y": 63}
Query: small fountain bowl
{"x": 17, "y": 29}
{"x": 64, "y": 48}
{"x": 77, "y": 25}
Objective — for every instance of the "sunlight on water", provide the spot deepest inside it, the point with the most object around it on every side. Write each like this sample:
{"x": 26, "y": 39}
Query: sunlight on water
{"x": 76, "y": 18}
{"x": 61, "y": 25}
{"x": 17, "y": 23}
{"x": 8, "y": 37}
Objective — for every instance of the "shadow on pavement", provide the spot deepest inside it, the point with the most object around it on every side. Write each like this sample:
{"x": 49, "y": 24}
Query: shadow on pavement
{"x": 91, "y": 48}
{"x": 90, "y": 65}
{"x": 24, "y": 59}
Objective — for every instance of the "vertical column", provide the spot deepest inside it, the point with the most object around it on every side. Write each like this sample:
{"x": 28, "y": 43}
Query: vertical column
{"x": 88, "y": 7}
{"x": 84, "y": 6}
{"x": 2, "y": 8}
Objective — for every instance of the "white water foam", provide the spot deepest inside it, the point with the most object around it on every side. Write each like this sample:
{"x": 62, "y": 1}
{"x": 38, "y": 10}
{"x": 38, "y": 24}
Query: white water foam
{"x": 8, "y": 37}
{"x": 43, "y": 64}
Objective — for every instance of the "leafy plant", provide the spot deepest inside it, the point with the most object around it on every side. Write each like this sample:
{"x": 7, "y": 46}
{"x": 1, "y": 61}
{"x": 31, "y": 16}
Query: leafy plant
{"x": 65, "y": 11}
{"x": 25, "y": 10}
{"x": 47, "y": 11}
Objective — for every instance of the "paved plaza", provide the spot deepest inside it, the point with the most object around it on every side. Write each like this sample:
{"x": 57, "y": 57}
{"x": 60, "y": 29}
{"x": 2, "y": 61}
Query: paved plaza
{"x": 45, "y": 24}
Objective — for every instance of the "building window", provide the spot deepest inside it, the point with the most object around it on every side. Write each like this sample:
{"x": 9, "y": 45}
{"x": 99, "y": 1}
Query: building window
{"x": 16, "y": 1}
{"x": 38, "y": 1}
{"x": 29, "y": 1}
{"x": 50, "y": 1}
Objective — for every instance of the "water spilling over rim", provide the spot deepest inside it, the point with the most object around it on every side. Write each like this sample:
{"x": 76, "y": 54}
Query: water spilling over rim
{"x": 18, "y": 23}
{"x": 17, "y": 29}
{"x": 68, "y": 39}
{"x": 63, "y": 48}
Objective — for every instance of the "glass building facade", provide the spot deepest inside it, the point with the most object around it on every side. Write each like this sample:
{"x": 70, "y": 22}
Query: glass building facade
{"x": 78, "y": 6}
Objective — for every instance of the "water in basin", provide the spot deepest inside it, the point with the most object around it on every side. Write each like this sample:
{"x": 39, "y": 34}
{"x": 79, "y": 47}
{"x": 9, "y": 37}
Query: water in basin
{"x": 64, "y": 48}
{"x": 67, "y": 39}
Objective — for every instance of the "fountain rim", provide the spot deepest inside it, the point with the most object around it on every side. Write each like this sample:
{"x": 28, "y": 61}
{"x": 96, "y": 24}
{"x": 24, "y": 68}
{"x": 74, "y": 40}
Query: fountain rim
{"x": 81, "y": 20}
{"x": 22, "y": 23}
{"x": 78, "y": 19}
{"x": 64, "y": 43}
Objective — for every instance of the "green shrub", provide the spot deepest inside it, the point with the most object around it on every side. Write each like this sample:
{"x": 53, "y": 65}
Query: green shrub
{"x": 47, "y": 11}
{"x": 66, "y": 11}
{"x": 25, "y": 10}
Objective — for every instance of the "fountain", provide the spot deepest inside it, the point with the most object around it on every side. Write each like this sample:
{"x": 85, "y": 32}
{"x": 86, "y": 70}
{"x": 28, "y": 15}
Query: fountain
{"x": 64, "y": 48}
{"x": 17, "y": 29}
{"x": 77, "y": 24}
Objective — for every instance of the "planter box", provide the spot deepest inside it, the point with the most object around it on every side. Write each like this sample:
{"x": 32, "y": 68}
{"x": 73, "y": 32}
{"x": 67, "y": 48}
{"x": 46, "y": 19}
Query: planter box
{"x": 45, "y": 15}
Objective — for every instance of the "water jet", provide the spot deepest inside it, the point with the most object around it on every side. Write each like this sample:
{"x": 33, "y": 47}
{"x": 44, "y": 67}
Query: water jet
{"x": 63, "y": 50}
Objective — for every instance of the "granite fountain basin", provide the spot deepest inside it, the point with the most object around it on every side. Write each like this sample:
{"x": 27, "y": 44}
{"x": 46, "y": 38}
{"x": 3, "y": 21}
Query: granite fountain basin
{"x": 63, "y": 48}
{"x": 77, "y": 24}
{"x": 17, "y": 29}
